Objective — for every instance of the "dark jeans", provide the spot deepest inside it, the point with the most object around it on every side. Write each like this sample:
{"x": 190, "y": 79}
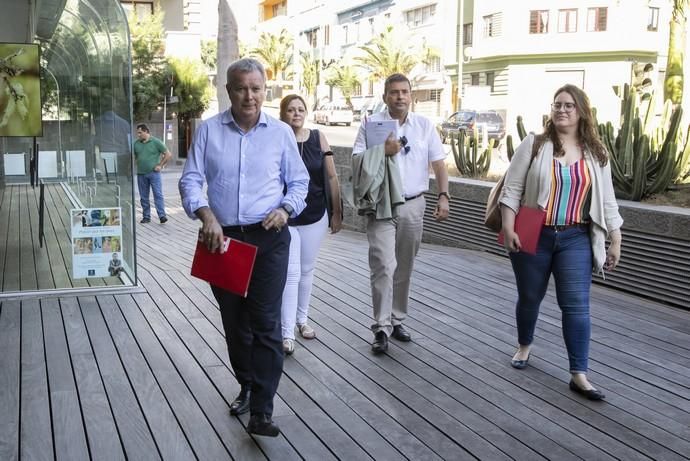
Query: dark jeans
{"x": 146, "y": 183}
{"x": 567, "y": 255}
{"x": 253, "y": 324}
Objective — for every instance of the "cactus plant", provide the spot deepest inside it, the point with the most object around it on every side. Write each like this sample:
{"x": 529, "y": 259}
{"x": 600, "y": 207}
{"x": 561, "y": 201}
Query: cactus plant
{"x": 645, "y": 159}
{"x": 471, "y": 157}
{"x": 509, "y": 139}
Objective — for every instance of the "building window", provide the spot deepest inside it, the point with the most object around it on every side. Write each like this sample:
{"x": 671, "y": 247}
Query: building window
{"x": 567, "y": 20}
{"x": 420, "y": 16}
{"x": 371, "y": 88}
{"x": 653, "y": 19}
{"x": 346, "y": 33}
{"x": 312, "y": 38}
{"x": 474, "y": 78}
{"x": 326, "y": 34}
{"x": 596, "y": 19}
{"x": 357, "y": 31}
{"x": 435, "y": 95}
{"x": 490, "y": 76}
{"x": 357, "y": 90}
{"x": 492, "y": 25}
{"x": 539, "y": 21}
{"x": 141, "y": 10}
{"x": 372, "y": 29}
{"x": 467, "y": 34}
{"x": 280, "y": 9}
{"x": 434, "y": 64}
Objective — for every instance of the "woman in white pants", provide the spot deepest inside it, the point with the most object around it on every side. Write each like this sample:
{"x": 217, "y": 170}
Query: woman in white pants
{"x": 308, "y": 229}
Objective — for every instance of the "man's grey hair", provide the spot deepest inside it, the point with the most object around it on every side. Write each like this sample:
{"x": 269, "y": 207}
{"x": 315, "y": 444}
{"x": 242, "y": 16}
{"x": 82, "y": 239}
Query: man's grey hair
{"x": 245, "y": 65}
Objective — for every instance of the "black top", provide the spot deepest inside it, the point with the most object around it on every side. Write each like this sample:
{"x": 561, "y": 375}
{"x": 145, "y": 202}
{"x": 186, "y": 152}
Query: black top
{"x": 313, "y": 156}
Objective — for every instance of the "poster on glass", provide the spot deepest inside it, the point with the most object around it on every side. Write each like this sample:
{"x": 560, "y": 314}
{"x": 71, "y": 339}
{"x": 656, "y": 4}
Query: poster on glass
{"x": 96, "y": 242}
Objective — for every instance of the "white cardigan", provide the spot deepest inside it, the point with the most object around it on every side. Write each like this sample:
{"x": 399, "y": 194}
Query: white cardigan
{"x": 531, "y": 188}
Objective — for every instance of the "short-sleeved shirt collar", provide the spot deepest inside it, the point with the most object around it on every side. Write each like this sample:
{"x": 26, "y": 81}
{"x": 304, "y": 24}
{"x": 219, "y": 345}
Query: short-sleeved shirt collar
{"x": 229, "y": 119}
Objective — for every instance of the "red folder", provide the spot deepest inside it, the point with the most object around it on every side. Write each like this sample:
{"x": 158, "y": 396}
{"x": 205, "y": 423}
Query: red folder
{"x": 528, "y": 225}
{"x": 231, "y": 270}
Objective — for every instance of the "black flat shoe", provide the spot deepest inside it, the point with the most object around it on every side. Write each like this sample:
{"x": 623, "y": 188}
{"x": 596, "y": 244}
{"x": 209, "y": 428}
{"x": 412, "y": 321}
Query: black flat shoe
{"x": 261, "y": 424}
{"x": 520, "y": 364}
{"x": 401, "y": 334}
{"x": 380, "y": 344}
{"x": 591, "y": 394}
{"x": 241, "y": 403}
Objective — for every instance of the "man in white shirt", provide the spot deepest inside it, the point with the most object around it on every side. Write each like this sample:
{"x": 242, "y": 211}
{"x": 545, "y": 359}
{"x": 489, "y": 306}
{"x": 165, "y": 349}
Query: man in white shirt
{"x": 393, "y": 243}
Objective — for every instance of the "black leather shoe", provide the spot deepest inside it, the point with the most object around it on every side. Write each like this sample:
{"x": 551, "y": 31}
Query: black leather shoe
{"x": 401, "y": 334}
{"x": 380, "y": 344}
{"x": 145, "y": 221}
{"x": 519, "y": 364}
{"x": 164, "y": 220}
{"x": 261, "y": 424}
{"x": 241, "y": 403}
{"x": 591, "y": 394}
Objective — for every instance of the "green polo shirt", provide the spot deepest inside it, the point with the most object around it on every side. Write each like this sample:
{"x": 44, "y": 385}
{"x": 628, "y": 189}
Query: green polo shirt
{"x": 148, "y": 154}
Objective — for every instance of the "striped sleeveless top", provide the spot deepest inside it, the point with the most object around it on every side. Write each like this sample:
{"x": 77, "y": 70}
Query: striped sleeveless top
{"x": 570, "y": 194}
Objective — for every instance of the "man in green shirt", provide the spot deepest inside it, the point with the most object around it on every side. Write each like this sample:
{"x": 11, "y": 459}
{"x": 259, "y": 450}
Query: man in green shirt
{"x": 151, "y": 155}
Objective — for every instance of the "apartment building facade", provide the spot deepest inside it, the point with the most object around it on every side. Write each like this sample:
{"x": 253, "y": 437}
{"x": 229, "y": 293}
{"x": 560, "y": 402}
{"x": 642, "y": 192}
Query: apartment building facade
{"x": 516, "y": 54}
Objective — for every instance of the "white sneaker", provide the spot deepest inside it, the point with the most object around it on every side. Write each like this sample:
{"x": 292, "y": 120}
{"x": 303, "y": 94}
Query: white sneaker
{"x": 306, "y": 331}
{"x": 288, "y": 346}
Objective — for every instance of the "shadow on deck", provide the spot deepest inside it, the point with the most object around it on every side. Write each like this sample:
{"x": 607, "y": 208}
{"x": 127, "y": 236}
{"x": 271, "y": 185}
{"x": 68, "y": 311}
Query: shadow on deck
{"x": 146, "y": 376}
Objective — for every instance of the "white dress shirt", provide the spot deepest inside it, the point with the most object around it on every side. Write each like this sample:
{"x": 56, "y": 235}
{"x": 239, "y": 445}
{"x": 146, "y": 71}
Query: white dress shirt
{"x": 425, "y": 147}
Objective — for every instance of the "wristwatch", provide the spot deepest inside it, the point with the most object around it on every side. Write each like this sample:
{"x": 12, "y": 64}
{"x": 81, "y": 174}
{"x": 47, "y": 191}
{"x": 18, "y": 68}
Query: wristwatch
{"x": 444, "y": 193}
{"x": 288, "y": 209}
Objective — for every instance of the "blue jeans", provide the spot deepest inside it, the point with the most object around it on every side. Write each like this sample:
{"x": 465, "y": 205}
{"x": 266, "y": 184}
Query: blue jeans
{"x": 567, "y": 255}
{"x": 146, "y": 182}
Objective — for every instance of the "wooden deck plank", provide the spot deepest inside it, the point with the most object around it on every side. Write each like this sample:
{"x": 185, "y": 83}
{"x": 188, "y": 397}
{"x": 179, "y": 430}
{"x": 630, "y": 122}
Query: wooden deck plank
{"x": 170, "y": 439}
{"x": 5, "y": 204}
{"x": 11, "y": 280}
{"x": 68, "y": 428}
{"x": 134, "y": 431}
{"x": 190, "y": 354}
{"x": 36, "y": 429}
{"x": 148, "y": 328}
{"x": 10, "y": 381}
{"x": 27, "y": 264}
{"x": 96, "y": 412}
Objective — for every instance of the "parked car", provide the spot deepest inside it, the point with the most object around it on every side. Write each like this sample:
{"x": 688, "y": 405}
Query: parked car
{"x": 332, "y": 113}
{"x": 466, "y": 120}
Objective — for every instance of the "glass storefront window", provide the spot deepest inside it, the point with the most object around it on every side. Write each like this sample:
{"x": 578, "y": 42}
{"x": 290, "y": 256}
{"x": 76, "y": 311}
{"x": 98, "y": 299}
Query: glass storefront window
{"x": 82, "y": 161}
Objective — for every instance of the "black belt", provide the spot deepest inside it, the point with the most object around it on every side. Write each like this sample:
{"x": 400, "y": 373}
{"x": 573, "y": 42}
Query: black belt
{"x": 244, "y": 228}
{"x": 407, "y": 199}
{"x": 561, "y": 228}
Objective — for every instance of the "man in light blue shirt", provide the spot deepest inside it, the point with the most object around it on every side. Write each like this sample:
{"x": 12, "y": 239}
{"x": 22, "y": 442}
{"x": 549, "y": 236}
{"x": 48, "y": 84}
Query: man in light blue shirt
{"x": 256, "y": 181}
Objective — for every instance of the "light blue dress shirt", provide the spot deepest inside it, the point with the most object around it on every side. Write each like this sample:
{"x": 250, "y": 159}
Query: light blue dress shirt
{"x": 246, "y": 173}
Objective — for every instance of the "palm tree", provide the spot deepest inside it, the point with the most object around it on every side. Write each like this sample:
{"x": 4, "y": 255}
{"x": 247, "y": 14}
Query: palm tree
{"x": 275, "y": 51}
{"x": 345, "y": 78}
{"x": 673, "y": 82}
{"x": 227, "y": 49}
{"x": 386, "y": 54}
{"x": 310, "y": 75}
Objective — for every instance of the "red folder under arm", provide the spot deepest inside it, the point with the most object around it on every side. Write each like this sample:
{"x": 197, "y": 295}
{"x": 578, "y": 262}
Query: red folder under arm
{"x": 231, "y": 271}
{"x": 528, "y": 225}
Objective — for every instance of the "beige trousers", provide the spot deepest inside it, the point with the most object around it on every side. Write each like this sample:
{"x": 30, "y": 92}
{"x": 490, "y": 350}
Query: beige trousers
{"x": 393, "y": 245}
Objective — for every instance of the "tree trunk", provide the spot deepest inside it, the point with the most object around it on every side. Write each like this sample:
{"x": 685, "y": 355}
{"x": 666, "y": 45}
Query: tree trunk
{"x": 227, "y": 50}
{"x": 673, "y": 82}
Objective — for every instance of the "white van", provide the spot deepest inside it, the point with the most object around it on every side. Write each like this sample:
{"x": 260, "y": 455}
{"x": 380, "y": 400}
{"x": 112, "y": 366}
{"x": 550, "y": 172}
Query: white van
{"x": 332, "y": 113}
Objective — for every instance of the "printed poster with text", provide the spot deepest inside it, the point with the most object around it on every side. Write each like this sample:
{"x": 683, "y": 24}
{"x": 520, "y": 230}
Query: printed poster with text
{"x": 96, "y": 242}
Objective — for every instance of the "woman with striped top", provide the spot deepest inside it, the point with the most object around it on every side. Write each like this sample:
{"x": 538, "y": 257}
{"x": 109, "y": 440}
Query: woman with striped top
{"x": 564, "y": 171}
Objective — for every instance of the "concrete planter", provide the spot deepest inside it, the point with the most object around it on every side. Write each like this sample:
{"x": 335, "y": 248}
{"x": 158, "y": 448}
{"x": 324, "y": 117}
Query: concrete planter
{"x": 655, "y": 260}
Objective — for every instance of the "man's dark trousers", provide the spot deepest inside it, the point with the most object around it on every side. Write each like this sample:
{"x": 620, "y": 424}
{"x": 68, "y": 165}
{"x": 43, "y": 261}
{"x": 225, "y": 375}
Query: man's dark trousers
{"x": 252, "y": 324}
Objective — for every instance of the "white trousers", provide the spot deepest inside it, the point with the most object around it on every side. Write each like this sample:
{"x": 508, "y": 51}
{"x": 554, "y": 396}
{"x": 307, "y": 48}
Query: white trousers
{"x": 304, "y": 248}
{"x": 393, "y": 245}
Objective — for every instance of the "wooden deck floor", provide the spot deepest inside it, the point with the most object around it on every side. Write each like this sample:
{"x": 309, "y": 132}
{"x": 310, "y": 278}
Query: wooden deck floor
{"x": 146, "y": 376}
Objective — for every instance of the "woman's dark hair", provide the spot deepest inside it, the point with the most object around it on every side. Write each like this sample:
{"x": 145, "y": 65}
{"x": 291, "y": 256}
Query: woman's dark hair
{"x": 287, "y": 100}
{"x": 586, "y": 131}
